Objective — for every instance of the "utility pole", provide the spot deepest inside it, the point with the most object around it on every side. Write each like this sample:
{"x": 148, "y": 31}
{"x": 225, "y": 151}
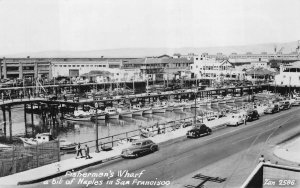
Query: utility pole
{"x": 195, "y": 118}
{"x": 96, "y": 115}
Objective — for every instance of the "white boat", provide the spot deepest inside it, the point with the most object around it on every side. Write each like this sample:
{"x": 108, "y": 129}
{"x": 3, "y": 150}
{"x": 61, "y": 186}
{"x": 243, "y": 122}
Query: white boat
{"x": 137, "y": 110}
{"x": 221, "y": 100}
{"x": 229, "y": 99}
{"x": 46, "y": 137}
{"x": 147, "y": 110}
{"x": 4, "y": 147}
{"x": 125, "y": 113}
{"x": 159, "y": 109}
{"x": 178, "y": 108}
{"x": 101, "y": 115}
{"x": 214, "y": 102}
{"x": 79, "y": 115}
{"x": 112, "y": 113}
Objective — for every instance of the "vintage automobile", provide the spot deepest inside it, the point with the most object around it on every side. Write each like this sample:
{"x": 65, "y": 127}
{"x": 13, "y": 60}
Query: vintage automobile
{"x": 198, "y": 130}
{"x": 252, "y": 115}
{"x": 271, "y": 109}
{"x": 139, "y": 148}
{"x": 296, "y": 101}
{"x": 235, "y": 119}
{"x": 284, "y": 105}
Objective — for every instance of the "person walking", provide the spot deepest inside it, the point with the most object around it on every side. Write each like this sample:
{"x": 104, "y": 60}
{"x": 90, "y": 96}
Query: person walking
{"x": 245, "y": 119}
{"x": 78, "y": 151}
{"x": 87, "y": 152}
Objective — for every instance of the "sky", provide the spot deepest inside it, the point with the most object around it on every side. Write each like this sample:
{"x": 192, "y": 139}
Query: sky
{"x": 83, "y": 25}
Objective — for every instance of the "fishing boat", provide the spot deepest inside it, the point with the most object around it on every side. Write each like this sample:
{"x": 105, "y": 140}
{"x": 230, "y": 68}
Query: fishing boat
{"x": 221, "y": 100}
{"x": 112, "y": 113}
{"x": 125, "y": 113}
{"x": 4, "y": 147}
{"x": 101, "y": 115}
{"x": 178, "y": 107}
{"x": 229, "y": 99}
{"x": 147, "y": 110}
{"x": 214, "y": 101}
{"x": 159, "y": 107}
{"x": 79, "y": 115}
{"x": 47, "y": 137}
{"x": 137, "y": 110}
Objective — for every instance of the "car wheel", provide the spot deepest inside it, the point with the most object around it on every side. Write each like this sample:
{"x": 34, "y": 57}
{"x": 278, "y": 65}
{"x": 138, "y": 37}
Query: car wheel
{"x": 237, "y": 124}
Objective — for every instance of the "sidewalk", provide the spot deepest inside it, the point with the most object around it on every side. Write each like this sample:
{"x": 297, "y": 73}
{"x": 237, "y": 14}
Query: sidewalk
{"x": 61, "y": 167}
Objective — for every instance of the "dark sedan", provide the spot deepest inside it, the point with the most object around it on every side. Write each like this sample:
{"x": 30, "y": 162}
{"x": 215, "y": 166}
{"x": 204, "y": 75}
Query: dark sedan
{"x": 139, "y": 148}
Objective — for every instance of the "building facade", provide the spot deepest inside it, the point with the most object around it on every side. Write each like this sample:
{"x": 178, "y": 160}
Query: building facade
{"x": 289, "y": 75}
{"x": 212, "y": 69}
{"x": 13, "y": 68}
{"x": 161, "y": 68}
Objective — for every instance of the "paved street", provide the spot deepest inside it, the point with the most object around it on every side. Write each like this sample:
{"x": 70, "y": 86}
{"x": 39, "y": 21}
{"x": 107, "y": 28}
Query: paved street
{"x": 230, "y": 153}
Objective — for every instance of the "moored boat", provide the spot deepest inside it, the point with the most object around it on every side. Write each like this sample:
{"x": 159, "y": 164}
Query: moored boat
{"x": 137, "y": 110}
{"x": 112, "y": 113}
{"x": 79, "y": 115}
{"x": 47, "y": 137}
{"x": 125, "y": 113}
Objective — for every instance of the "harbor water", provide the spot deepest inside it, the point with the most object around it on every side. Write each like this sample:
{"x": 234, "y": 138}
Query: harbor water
{"x": 85, "y": 131}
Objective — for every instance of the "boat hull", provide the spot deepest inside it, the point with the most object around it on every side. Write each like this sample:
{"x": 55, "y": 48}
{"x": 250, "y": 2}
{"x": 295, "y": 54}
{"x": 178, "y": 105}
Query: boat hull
{"x": 148, "y": 111}
{"x": 137, "y": 113}
{"x": 113, "y": 116}
{"x": 159, "y": 110}
{"x": 78, "y": 118}
{"x": 126, "y": 115}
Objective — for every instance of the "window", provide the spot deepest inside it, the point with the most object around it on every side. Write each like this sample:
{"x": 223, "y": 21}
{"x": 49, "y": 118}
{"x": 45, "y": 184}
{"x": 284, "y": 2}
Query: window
{"x": 60, "y": 65}
{"x": 73, "y": 65}
{"x": 69, "y": 65}
{"x": 65, "y": 65}
{"x": 78, "y": 65}
{"x": 104, "y": 65}
{"x": 82, "y": 65}
{"x": 92, "y": 65}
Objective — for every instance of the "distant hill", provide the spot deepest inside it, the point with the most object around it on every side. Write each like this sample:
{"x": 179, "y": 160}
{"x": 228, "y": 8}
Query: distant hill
{"x": 146, "y": 52}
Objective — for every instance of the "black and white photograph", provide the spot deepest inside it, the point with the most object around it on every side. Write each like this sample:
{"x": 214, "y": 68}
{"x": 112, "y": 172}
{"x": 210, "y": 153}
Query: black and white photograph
{"x": 150, "y": 93}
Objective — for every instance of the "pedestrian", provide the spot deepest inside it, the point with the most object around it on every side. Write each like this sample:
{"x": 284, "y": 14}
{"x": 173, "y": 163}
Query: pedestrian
{"x": 2, "y": 96}
{"x": 87, "y": 152}
{"x": 261, "y": 159}
{"x": 245, "y": 119}
{"x": 78, "y": 151}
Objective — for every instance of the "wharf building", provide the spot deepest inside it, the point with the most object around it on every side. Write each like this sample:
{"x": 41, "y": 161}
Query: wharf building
{"x": 264, "y": 56}
{"x": 98, "y": 70}
{"x": 208, "y": 68}
{"x": 161, "y": 68}
{"x": 289, "y": 75}
{"x": 28, "y": 68}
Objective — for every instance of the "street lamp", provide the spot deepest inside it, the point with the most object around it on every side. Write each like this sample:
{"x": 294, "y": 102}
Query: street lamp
{"x": 96, "y": 117}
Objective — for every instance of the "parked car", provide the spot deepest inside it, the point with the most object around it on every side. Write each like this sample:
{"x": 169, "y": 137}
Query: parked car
{"x": 235, "y": 119}
{"x": 139, "y": 148}
{"x": 252, "y": 115}
{"x": 284, "y": 105}
{"x": 296, "y": 101}
{"x": 198, "y": 130}
{"x": 271, "y": 109}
